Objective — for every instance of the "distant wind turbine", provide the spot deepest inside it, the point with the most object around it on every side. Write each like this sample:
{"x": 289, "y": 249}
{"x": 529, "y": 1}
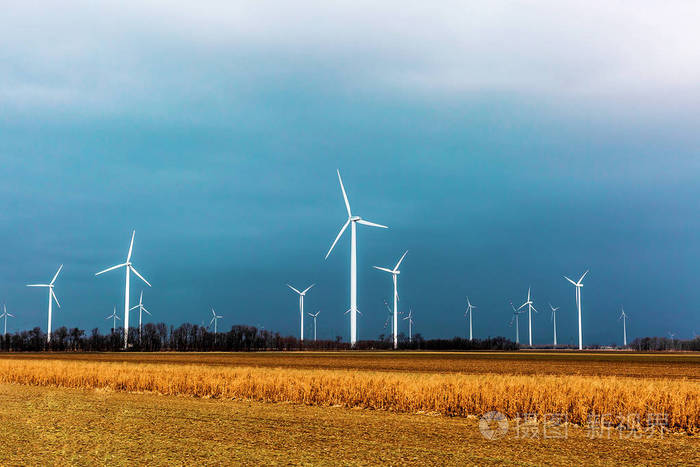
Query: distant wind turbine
{"x": 578, "y": 286}
{"x": 394, "y": 275}
{"x": 215, "y": 318}
{"x": 302, "y": 294}
{"x": 50, "y": 286}
{"x": 5, "y": 314}
{"x": 314, "y": 316}
{"x": 129, "y": 268}
{"x": 410, "y": 325}
{"x": 624, "y": 318}
{"x": 470, "y": 307}
{"x": 529, "y": 314}
{"x": 352, "y": 221}
{"x": 554, "y": 319}
{"x": 142, "y": 309}
{"x": 114, "y": 319}
{"x": 515, "y": 317}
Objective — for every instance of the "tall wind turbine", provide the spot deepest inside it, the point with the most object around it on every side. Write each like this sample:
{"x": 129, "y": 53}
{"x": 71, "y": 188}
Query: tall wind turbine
{"x": 142, "y": 309}
{"x": 529, "y": 314}
{"x": 314, "y": 316}
{"x": 515, "y": 318}
{"x": 50, "y": 286}
{"x": 554, "y": 318}
{"x": 215, "y": 318}
{"x": 114, "y": 319}
{"x": 470, "y": 307}
{"x": 5, "y": 314}
{"x": 395, "y": 275}
{"x": 352, "y": 221}
{"x": 129, "y": 268}
{"x": 578, "y": 286}
{"x": 301, "y": 309}
{"x": 410, "y": 325}
{"x": 623, "y": 317}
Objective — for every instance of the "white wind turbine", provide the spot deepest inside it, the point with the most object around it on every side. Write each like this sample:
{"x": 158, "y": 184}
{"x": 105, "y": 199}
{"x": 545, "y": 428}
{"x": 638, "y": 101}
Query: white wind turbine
{"x": 529, "y": 314}
{"x": 142, "y": 309}
{"x": 314, "y": 316}
{"x": 515, "y": 318}
{"x": 129, "y": 268}
{"x": 114, "y": 319}
{"x": 50, "y": 286}
{"x": 215, "y": 318}
{"x": 623, "y": 317}
{"x": 352, "y": 221}
{"x": 554, "y": 318}
{"x": 470, "y": 307}
{"x": 394, "y": 275}
{"x": 5, "y": 314}
{"x": 578, "y": 286}
{"x": 410, "y": 324}
{"x": 302, "y": 294}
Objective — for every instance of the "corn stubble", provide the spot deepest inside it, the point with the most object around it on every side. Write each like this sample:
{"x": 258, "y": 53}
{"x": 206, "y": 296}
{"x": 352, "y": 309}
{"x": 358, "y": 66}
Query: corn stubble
{"x": 448, "y": 394}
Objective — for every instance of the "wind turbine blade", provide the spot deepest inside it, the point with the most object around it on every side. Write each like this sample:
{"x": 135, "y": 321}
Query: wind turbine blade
{"x": 521, "y": 306}
{"x": 140, "y": 276}
{"x": 10, "y": 314}
{"x": 109, "y": 317}
{"x": 345, "y": 226}
{"x": 293, "y": 289}
{"x": 345, "y": 196}
{"x": 109, "y": 269}
{"x": 133, "y": 307}
{"x": 399, "y": 263}
{"x": 37, "y": 285}
{"x": 584, "y": 275}
{"x": 146, "y": 311}
{"x": 117, "y": 316}
{"x": 574, "y": 283}
{"x": 384, "y": 269}
{"x": 56, "y": 275}
{"x": 371, "y": 224}
{"x": 53, "y": 294}
{"x": 534, "y": 309}
{"x": 213, "y": 313}
{"x": 131, "y": 246}
{"x": 308, "y": 288}
{"x": 212, "y": 320}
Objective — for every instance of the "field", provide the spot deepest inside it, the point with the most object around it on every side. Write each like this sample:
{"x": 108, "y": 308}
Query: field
{"x": 303, "y": 407}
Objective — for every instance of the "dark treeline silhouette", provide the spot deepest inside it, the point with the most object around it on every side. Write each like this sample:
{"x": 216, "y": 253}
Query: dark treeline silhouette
{"x": 194, "y": 338}
{"x": 664, "y": 343}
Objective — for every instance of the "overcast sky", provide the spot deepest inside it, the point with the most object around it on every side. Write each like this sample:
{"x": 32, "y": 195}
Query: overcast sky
{"x": 505, "y": 145}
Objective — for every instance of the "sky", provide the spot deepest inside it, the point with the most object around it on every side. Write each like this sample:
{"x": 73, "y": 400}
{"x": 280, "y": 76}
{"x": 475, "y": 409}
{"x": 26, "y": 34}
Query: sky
{"x": 504, "y": 144}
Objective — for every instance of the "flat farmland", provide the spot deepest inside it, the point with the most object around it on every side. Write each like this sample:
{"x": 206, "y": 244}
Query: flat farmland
{"x": 622, "y": 364}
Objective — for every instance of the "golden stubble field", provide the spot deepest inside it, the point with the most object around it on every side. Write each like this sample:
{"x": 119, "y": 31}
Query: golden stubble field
{"x": 442, "y": 390}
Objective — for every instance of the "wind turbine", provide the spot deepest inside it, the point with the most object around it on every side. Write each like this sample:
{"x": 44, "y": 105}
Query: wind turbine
{"x": 554, "y": 318}
{"x": 5, "y": 314}
{"x": 469, "y": 312}
{"x": 50, "y": 286}
{"x": 215, "y": 318}
{"x": 410, "y": 324}
{"x": 314, "y": 316}
{"x": 301, "y": 309}
{"x": 352, "y": 221}
{"x": 141, "y": 310}
{"x": 578, "y": 286}
{"x": 114, "y": 319}
{"x": 515, "y": 317}
{"x": 529, "y": 314}
{"x": 623, "y": 317}
{"x": 128, "y": 267}
{"x": 395, "y": 275}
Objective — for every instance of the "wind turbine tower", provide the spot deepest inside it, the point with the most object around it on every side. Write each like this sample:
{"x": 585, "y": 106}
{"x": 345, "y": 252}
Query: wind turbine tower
{"x": 530, "y": 308}
{"x": 515, "y": 317}
{"x": 410, "y": 325}
{"x": 352, "y": 221}
{"x": 395, "y": 275}
{"x": 215, "y": 319}
{"x": 142, "y": 309}
{"x": 5, "y": 314}
{"x": 314, "y": 316}
{"x": 52, "y": 297}
{"x": 114, "y": 319}
{"x": 302, "y": 294}
{"x": 128, "y": 267}
{"x": 470, "y": 307}
{"x": 554, "y": 319}
{"x": 623, "y": 317}
{"x": 578, "y": 286}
